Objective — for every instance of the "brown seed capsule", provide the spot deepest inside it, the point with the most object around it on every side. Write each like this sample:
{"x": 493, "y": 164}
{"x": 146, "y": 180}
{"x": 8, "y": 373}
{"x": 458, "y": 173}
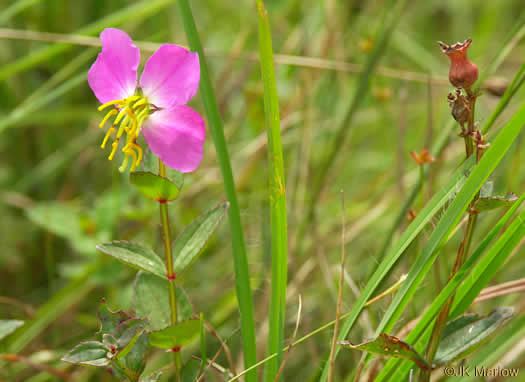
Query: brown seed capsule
{"x": 463, "y": 73}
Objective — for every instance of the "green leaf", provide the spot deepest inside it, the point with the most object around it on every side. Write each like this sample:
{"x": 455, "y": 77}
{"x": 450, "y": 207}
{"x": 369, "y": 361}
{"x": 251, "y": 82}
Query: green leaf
{"x": 9, "y": 326}
{"x": 127, "y": 334}
{"x": 177, "y": 335}
{"x": 487, "y": 190}
{"x": 151, "y": 378}
{"x": 191, "y": 240}
{"x": 152, "y": 301}
{"x": 109, "y": 321}
{"x": 136, "y": 255}
{"x": 91, "y": 353}
{"x": 277, "y": 198}
{"x": 464, "y": 332}
{"x": 150, "y": 163}
{"x": 63, "y": 220}
{"x": 135, "y": 360}
{"x": 154, "y": 186}
{"x": 492, "y": 202}
{"x": 390, "y": 346}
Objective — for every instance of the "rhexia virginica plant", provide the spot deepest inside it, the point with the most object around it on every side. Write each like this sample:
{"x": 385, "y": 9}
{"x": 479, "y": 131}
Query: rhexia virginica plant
{"x": 155, "y": 106}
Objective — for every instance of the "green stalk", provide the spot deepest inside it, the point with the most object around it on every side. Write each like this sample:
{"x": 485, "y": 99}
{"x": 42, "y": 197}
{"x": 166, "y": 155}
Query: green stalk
{"x": 166, "y": 235}
{"x": 242, "y": 279}
{"x": 277, "y": 197}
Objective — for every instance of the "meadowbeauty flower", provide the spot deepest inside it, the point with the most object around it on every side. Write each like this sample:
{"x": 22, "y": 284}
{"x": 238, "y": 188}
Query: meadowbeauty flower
{"x": 154, "y": 106}
{"x": 463, "y": 73}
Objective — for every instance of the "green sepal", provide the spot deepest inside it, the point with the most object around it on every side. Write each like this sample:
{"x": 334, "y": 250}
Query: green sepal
{"x": 154, "y": 186}
{"x": 150, "y": 163}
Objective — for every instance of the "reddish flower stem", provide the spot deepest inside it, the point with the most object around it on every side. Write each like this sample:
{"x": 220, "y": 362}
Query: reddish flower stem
{"x": 166, "y": 233}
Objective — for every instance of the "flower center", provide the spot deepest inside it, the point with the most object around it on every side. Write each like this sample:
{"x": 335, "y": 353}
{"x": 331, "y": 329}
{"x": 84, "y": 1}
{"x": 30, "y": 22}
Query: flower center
{"x": 130, "y": 113}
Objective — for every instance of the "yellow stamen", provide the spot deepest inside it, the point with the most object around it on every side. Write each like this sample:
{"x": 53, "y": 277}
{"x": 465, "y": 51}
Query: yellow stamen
{"x": 108, "y": 116}
{"x": 111, "y": 103}
{"x": 134, "y": 162}
{"x": 122, "y": 168}
{"x": 108, "y": 134}
{"x": 114, "y": 147}
{"x": 130, "y": 113}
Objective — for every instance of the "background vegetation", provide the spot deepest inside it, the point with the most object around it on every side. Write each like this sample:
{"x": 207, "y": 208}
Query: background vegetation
{"x": 59, "y": 196}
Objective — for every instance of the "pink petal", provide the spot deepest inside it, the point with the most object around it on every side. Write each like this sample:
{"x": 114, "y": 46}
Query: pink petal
{"x": 171, "y": 76}
{"x": 176, "y": 136}
{"x": 114, "y": 73}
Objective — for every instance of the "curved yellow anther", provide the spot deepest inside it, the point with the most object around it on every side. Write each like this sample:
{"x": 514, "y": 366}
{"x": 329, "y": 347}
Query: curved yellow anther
{"x": 108, "y": 116}
{"x": 112, "y": 103}
{"x": 114, "y": 147}
{"x": 122, "y": 168}
{"x": 134, "y": 155}
{"x": 141, "y": 101}
{"x": 108, "y": 134}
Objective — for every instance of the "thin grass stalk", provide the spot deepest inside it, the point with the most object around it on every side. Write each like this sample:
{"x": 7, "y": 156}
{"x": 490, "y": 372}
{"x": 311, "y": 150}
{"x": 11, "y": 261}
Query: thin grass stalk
{"x": 339, "y": 291}
{"x": 242, "y": 276}
{"x": 277, "y": 196}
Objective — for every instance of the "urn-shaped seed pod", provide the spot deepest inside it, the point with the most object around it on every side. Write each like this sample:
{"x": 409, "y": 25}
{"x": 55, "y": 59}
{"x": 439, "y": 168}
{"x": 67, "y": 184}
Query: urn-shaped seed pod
{"x": 463, "y": 73}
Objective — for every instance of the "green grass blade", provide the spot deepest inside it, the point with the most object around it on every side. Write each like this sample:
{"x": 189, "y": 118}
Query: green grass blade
{"x": 242, "y": 277}
{"x": 277, "y": 197}
{"x": 449, "y": 289}
{"x": 134, "y": 12}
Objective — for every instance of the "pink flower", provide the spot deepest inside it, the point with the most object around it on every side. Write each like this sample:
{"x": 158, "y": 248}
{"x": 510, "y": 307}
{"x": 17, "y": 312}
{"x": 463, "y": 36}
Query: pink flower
{"x": 155, "y": 106}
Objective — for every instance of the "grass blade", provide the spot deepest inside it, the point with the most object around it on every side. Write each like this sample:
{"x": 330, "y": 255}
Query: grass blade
{"x": 277, "y": 197}
{"x": 242, "y": 277}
